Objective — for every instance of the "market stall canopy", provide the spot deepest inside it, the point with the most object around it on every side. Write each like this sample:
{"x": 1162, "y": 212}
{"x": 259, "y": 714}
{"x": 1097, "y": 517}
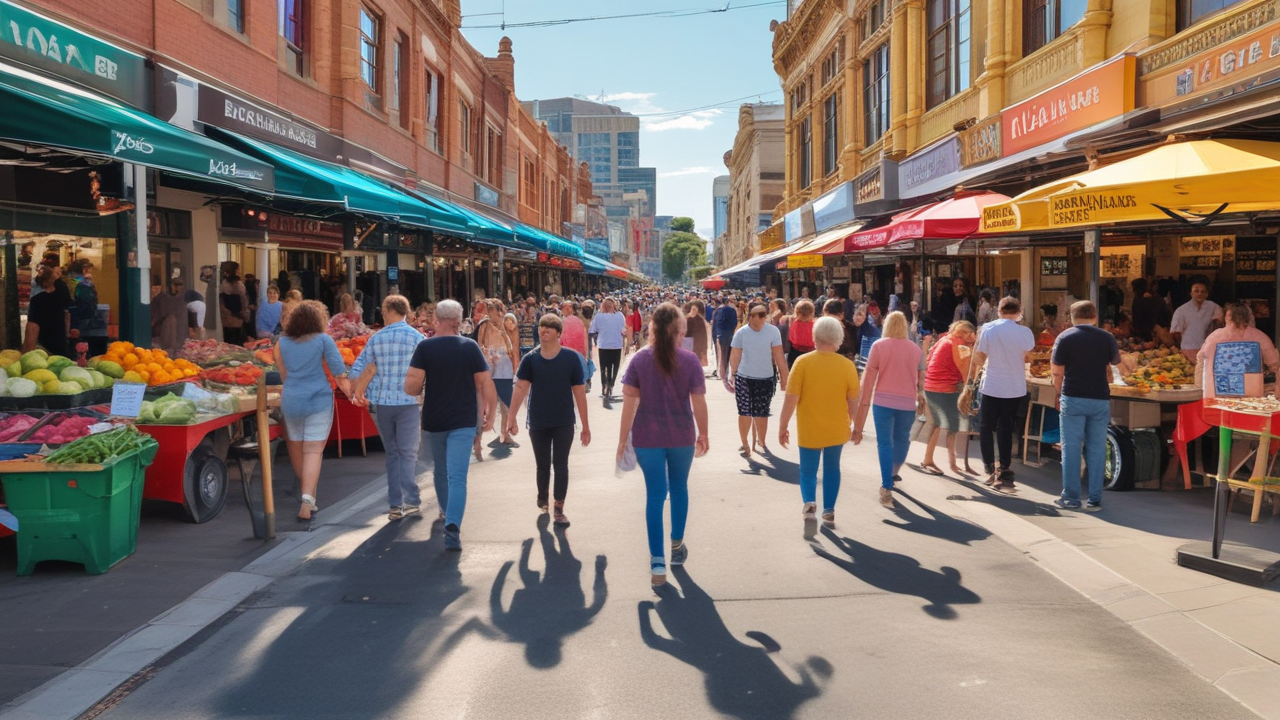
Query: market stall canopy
{"x": 548, "y": 243}
{"x": 827, "y": 242}
{"x": 955, "y": 218}
{"x": 1192, "y": 181}
{"x": 756, "y": 261}
{"x": 46, "y": 112}
{"x": 593, "y": 266}
{"x": 302, "y": 178}
{"x": 481, "y": 227}
{"x": 713, "y": 283}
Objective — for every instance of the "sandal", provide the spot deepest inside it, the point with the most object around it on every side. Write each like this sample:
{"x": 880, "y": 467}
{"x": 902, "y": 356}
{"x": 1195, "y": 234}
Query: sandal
{"x": 396, "y": 513}
{"x": 560, "y": 518}
{"x": 931, "y": 469}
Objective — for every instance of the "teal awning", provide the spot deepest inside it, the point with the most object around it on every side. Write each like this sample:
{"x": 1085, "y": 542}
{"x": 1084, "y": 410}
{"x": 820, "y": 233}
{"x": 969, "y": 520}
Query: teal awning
{"x": 36, "y": 110}
{"x": 593, "y": 266}
{"x": 482, "y": 228}
{"x": 548, "y": 243}
{"x": 304, "y": 178}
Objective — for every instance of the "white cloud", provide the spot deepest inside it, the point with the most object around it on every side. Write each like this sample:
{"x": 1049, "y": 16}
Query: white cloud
{"x": 700, "y": 120}
{"x": 698, "y": 170}
{"x": 633, "y": 96}
{"x": 654, "y": 117}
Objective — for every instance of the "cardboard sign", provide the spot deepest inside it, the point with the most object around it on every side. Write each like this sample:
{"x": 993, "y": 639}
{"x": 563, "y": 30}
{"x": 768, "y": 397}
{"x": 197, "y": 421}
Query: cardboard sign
{"x": 126, "y": 399}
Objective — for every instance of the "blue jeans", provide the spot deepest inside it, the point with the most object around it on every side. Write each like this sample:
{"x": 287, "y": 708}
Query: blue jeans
{"x": 666, "y": 470}
{"x": 398, "y": 426}
{"x": 830, "y": 459}
{"x": 452, "y": 458}
{"x": 893, "y": 439}
{"x": 1084, "y": 422}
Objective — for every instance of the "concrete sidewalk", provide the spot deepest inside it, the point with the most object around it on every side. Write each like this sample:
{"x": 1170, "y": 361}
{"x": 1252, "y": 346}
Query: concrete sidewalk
{"x": 1124, "y": 558}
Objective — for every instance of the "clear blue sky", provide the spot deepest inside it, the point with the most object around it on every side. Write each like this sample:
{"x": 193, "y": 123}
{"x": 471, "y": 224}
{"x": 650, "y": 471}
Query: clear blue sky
{"x": 647, "y": 65}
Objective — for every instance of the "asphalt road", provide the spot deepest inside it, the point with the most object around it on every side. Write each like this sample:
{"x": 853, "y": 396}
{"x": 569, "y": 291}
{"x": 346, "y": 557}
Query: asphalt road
{"x": 895, "y": 614}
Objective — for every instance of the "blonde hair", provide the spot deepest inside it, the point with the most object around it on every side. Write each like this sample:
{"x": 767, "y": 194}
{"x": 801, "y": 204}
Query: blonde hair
{"x": 895, "y": 325}
{"x": 804, "y": 309}
{"x": 960, "y": 326}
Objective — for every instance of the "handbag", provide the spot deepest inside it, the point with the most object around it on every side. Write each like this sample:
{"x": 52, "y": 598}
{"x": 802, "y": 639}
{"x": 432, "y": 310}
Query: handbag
{"x": 591, "y": 368}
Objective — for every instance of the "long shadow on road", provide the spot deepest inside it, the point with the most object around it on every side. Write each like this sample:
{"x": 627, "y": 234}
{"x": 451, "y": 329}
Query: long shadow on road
{"x": 741, "y": 679}
{"x": 551, "y": 605}
{"x": 900, "y": 574}
{"x": 783, "y": 471}
{"x": 934, "y": 523}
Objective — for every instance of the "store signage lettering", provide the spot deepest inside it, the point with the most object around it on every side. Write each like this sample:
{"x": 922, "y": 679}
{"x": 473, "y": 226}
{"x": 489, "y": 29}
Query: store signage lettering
{"x": 290, "y": 225}
{"x": 556, "y": 261}
{"x": 225, "y": 169}
{"x": 124, "y": 142}
{"x": 1214, "y": 67}
{"x": 1229, "y": 28}
{"x": 282, "y": 129}
{"x": 1097, "y": 95}
{"x": 29, "y": 37}
{"x": 980, "y": 143}
{"x": 870, "y": 186}
{"x": 1000, "y": 218}
{"x": 804, "y": 261}
{"x": 1079, "y": 209}
{"x": 937, "y": 162}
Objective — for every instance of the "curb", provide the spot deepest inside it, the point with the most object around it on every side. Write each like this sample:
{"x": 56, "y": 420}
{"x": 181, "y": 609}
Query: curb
{"x": 78, "y": 690}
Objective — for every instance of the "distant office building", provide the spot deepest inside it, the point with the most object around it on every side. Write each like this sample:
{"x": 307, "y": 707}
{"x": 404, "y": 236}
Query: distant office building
{"x": 720, "y": 205}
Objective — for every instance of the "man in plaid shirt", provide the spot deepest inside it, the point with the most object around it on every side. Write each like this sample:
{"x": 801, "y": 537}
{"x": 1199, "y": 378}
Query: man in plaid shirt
{"x": 379, "y": 373}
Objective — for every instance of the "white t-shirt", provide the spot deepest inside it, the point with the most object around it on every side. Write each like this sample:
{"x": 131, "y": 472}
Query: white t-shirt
{"x": 1005, "y": 343}
{"x": 1194, "y": 322}
{"x": 757, "y": 350}
{"x": 609, "y": 329}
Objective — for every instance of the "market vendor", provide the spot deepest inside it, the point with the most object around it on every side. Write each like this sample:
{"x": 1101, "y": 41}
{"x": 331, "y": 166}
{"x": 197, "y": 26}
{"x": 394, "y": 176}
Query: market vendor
{"x": 1193, "y": 321}
{"x": 1148, "y": 311}
{"x": 1049, "y": 313}
{"x": 1239, "y": 328}
{"x": 168, "y": 316}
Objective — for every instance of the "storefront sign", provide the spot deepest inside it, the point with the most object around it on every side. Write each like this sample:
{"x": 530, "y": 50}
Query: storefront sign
{"x": 36, "y": 40}
{"x": 772, "y": 237}
{"x": 876, "y": 189}
{"x": 290, "y": 225}
{"x": 486, "y": 195}
{"x": 799, "y": 222}
{"x": 1087, "y": 208}
{"x": 559, "y": 262}
{"x": 795, "y": 262}
{"x": 935, "y": 162}
{"x": 980, "y": 143}
{"x": 231, "y": 113}
{"x": 1000, "y": 218}
{"x": 833, "y": 208}
{"x": 1104, "y": 92}
{"x": 1189, "y": 66}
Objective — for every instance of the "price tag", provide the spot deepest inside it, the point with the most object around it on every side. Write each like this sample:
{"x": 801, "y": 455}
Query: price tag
{"x": 126, "y": 399}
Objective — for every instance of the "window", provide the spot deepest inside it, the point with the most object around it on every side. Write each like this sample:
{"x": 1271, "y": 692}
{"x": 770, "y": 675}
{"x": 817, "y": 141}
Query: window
{"x": 370, "y": 42}
{"x": 831, "y": 64}
{"x": 1044, "y": 20}
{"x": 806, "y": 152}
{"x": 875, "y": 90}
{"x": 629, "y": 149}
{"x": 830, "y": 133}
{"x": 393, "y": 94}
{"x": 528, "y": 187}
{"x": 400, "y": 80}
{"x": 291, "y": 29}
{"x": 949, "y": 48}
{"x": 800, "y": 95}
{"x": 492, "y": 155}
{"x": 1191, "y": 11}
{"x": 464, "y": 133}
{"x": 235, "y": 15}
{"x": 431, "y": 96}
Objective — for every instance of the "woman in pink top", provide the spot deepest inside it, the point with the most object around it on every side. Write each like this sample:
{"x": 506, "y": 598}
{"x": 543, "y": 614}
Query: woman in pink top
{"x": 800, "y": 333}
{"x": 1239, "y": 328}
{"x": 944, "y": 375}
{"x": 892, "y": 386}
{"x": 574, "y": 336}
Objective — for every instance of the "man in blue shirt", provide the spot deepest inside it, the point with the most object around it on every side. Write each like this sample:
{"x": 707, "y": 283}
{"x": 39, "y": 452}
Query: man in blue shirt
{"x": 724, "y": 323}
{"x": 379, "y": 373}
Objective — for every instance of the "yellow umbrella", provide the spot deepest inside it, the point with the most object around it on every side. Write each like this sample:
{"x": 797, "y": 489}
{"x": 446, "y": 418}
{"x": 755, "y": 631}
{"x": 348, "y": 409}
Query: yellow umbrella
{"x": 1195, "y": 179}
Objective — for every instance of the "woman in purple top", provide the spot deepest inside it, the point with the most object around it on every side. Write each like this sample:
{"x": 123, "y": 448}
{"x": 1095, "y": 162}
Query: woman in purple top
{"x": 893, "y": 389}
{"x": 664, "y": 398}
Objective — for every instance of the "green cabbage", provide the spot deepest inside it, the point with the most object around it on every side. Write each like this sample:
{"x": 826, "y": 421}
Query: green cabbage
{"x": 21, "y": 387}
{"x": 176, "y": 413}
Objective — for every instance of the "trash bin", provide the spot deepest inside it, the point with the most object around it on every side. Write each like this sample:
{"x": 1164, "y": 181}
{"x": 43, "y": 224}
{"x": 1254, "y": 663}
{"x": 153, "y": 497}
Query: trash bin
{"x": 86, "y": 514}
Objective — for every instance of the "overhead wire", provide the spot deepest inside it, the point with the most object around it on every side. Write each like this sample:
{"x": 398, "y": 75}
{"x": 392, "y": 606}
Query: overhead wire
{"x": 728, "y": 7}
{"x": 714, "y": 106}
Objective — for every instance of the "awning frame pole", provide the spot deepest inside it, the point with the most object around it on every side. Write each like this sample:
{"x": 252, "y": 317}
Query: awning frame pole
{"x": 1093, "y": 260}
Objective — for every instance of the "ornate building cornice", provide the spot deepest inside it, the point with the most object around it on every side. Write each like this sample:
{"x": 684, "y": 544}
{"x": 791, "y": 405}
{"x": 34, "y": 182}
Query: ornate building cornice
{"x": 794, "y": 39}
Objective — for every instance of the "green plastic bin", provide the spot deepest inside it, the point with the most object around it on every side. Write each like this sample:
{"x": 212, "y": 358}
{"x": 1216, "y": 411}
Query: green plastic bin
{"x": 87, "y": 517}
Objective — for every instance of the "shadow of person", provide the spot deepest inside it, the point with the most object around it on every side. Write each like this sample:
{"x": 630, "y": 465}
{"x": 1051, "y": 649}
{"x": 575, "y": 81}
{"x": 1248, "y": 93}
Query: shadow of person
{"x": 741, "y": 680}
{"x": 934, "y": 523}
{"x": 1009, "y": 503}
{"x": 783, "y": 471}
{"x": 900, "y": 574}
{"x": 551, "y": 605}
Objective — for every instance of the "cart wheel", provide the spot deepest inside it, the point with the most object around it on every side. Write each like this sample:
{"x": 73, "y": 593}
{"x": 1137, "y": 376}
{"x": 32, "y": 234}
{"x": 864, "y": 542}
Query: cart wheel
{"x": 206, "y": 485}
{"x": 1119, "y": 467}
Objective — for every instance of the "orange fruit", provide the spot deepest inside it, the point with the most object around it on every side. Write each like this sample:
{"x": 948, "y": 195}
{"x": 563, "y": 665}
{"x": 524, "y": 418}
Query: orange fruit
{"x": 129, "y": 360}
{"x": 145, "y": 375}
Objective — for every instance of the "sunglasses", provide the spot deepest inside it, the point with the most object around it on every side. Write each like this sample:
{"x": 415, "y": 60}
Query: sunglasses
{"x": 758, "y": 314}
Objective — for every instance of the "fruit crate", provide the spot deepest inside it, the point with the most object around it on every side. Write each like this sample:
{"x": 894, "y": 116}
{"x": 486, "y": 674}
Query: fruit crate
{"x": 86, "y": 514}
{"x": 56, "y": 402}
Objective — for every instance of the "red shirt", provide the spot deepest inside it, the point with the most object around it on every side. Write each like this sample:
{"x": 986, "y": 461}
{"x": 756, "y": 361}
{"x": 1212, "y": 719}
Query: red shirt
{"x": 633, "y": 321}
{"x": 941, "y": 374}
{"x": 801, "y": 335}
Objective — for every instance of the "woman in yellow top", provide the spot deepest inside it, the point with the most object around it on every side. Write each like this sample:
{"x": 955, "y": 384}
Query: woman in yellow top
{"x": 824, "y": 386}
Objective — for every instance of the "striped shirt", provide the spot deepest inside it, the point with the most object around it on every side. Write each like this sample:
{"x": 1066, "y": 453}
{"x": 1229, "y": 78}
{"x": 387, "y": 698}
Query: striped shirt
{"x": 390, "y": 349}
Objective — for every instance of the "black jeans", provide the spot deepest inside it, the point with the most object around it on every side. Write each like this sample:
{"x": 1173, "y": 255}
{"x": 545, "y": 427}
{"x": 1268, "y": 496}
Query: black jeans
{"x": 609, "y": 362}
{"x": 551, "y": 450}
{"x": 996, "y": 416}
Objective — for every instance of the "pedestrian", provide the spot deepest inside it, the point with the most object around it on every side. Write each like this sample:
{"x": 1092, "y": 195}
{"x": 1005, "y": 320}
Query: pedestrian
{"x": 378, "y": 385}
{"x": 527, "y": 317}
{"x": 664, "y": 400}
{"x": 1193, "y": 321}
{"x": 780, "y": 318}
{"x": 945, "y": 370}
{"x": 168, "y": 316}
{"x": 699, "y": 330}
{"x": 1239, "y": 328}
{"x": 499, "y": 352}
{"x": 267, "y": 322}
{"x": 756, "y": 354}
{"x": 892, "y": 390}
{"x": 610, "y": 327}
{"x": 986, "y": 307}
{"x": 452, "y": 372}
{"x": 1001, "y": 351}
{"x": 551, "y": 377}
{"x": 233, "y": 304}
{"x": 823, "y": 387}
{"x": 848, "y": 347}
{"x": 306, "y": 399}
{"x": 724, "y": 323}
{"x": 1081, "y": 365}
{"x": 801, "y": 331}
{"x": 47, "y": 316}
{"x": 635, "y": 323}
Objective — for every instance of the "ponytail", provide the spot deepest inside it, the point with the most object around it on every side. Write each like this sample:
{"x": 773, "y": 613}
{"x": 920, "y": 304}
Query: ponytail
{"x": 665, "y": 324}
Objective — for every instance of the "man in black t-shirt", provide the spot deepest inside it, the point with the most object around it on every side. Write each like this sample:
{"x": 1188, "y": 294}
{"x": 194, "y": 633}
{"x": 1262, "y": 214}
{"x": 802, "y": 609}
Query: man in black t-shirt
{"x": 453, "y": 372}
{"x": 1081, "y": 366}
{"x": 553, "y": 378}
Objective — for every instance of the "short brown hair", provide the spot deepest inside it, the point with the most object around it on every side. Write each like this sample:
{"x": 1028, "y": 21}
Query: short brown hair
{"x": 308, "y": 318}
{"x": 1084, "y": 310}
{"x": 397, "y": 304}
{"x": 1009, "y": 305}
{"x": 551, "y": 320}
{"x": 804, "y": 309}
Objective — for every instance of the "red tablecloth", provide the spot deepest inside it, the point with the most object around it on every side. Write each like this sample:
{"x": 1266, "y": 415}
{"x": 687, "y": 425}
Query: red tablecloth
{"x": 350, "y": 422}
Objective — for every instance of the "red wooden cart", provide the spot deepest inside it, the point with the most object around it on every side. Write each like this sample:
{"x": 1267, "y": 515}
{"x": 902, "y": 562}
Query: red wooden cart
{"x": 191, "y": 466}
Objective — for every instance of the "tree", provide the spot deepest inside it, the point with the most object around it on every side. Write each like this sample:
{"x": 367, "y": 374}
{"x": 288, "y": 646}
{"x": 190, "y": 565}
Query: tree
{"x": 682, "y": 224}
{"x": 681, "y": 251}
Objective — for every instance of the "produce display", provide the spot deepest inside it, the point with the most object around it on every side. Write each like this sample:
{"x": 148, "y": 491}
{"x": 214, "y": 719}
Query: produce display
{"x": 348, "y": 330}
{"x": 140, "y": 365}
{"x": 209, "y": 353}
{"x": 61, "y": 428}
{"x": 1040, "y": 362}
{"x": 97, "y": 449}
{"x": 234, "y": 373}
{"x": 1267, "y": 405}
{"x": 168, "y": 410}
{"x": 15, "y": 426}
{"x": 39, "y": 373}
{"x": 351, "y": 348}
{"x": 1159, "y": 369}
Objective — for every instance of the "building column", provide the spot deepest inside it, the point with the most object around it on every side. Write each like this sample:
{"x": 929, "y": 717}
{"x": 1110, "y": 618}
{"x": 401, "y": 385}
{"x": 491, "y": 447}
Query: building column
{"x": 1093, "y": 31}
{"x": 991, "y": 82}
{"x": 915, "y": 76}
{"x": 898, "y": 78}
